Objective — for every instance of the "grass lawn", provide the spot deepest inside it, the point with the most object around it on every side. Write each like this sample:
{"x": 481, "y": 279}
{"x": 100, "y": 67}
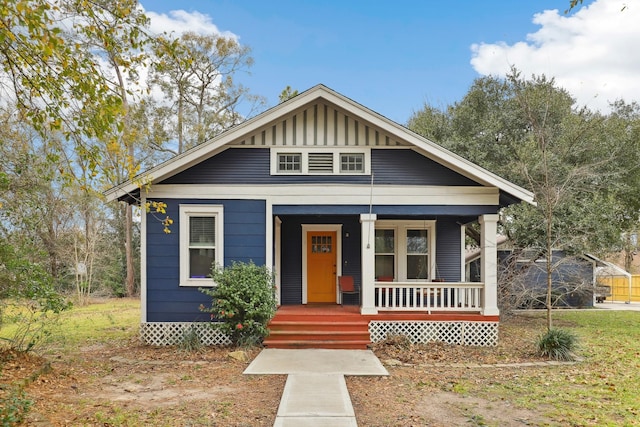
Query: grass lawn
{"x": 101, "y": 321}
{"x": 600, "y": 390}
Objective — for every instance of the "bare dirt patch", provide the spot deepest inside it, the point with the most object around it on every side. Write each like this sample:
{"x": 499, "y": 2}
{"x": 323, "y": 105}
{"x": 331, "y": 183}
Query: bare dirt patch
{"x": 133, "y": 384}
{"x": 428, "y": 382}
{"x": 129, "y": 384}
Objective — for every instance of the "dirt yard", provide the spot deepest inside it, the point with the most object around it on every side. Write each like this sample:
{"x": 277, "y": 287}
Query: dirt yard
{"x": 131, "y": 384}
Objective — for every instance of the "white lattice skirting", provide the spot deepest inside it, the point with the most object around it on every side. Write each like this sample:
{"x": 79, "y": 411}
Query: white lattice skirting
{"x": 483, "y": 334}
{"x": 172, "y": 333}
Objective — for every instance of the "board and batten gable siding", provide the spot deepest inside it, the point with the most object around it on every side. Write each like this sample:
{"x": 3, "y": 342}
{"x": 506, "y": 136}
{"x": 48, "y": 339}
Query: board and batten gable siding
{"x": 320, "y": 124}
{"x": 251, "y": 166}
{"x": 291, "y": 274}
{"x": 245, "y": 240}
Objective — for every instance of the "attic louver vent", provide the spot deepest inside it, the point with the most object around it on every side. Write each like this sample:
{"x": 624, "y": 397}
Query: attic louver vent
{"x": 321, "y": 162}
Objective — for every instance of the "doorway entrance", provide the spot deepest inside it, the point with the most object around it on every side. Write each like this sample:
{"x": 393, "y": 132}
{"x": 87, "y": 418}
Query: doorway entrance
{"x": 321, "y": 252}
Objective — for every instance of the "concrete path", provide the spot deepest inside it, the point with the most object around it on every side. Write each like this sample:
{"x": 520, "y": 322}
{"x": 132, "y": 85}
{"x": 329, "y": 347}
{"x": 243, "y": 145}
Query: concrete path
{"x": 619, "y": 305}
{"x": 315, "y": 394}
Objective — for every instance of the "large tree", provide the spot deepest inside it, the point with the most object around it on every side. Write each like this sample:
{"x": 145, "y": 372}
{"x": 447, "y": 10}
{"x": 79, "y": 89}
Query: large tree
{"x": 119, "y": 44}
{"x": 196, "y": 74}
{"x": 67, "y": 65}
{"x": 56, "y": 83}
{"x": 531, "y": 132}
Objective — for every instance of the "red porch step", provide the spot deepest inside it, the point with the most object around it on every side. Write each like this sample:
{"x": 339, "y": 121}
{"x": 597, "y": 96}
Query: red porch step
{"x": 319, "y": 326}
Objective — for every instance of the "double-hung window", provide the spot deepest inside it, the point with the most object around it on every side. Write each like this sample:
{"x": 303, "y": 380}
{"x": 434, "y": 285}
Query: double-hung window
{"x": 201, "y": 243}
{"x": 405, "y": 250}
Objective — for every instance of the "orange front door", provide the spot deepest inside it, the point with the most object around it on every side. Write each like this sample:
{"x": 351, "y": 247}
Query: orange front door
{"x": 321, "y": 266}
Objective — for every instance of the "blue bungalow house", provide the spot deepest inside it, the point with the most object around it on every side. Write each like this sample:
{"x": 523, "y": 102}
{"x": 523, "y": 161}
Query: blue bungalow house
{"x": 324, "y": 191}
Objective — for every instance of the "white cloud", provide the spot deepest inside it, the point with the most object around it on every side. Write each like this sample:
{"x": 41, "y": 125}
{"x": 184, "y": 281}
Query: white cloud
{"x": 175, "y": 22}
{"x": 181, "y": 21}
{"x": 593, "y": 53}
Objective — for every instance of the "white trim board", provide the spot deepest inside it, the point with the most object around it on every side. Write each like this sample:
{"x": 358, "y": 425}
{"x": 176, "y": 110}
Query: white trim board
{"x": 317, "y": 194}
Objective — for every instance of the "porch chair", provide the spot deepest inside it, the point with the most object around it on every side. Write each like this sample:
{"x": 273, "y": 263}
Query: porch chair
{"x": 347, "y": 286}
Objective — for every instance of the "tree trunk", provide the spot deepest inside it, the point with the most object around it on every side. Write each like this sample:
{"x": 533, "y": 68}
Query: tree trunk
{"x": 128, "y": 226}
{"x": 549, "y": 288}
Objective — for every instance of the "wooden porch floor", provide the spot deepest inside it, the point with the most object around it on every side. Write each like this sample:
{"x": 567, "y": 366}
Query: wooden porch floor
{"x": 337, "y": 310}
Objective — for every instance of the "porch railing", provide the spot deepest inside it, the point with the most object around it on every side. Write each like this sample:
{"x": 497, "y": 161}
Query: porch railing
{"x": 428, "y": 296}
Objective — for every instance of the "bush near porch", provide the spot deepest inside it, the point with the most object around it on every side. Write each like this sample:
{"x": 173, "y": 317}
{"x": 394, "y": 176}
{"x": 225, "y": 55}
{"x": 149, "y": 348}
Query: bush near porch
{"x": 243, "y": 302}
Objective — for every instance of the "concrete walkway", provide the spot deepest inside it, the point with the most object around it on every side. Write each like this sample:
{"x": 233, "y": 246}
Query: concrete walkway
{"x": 315, "y": 394}
{"x": 619, "y": 305}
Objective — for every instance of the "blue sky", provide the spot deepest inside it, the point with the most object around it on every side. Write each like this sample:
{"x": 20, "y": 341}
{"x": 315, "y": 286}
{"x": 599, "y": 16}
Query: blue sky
{"x": 394, "y": 56}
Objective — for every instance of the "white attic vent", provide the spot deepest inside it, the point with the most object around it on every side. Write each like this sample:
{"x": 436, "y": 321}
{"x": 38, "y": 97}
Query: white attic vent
{"x": 321, "y": 162}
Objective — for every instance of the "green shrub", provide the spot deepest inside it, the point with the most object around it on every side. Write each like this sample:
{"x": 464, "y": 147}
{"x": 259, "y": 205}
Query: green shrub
{"x": 243, "y": 302}
{"x": 14, "y": 406}
{"x": 558, "y": 344}
{"x": 29, "y": 301}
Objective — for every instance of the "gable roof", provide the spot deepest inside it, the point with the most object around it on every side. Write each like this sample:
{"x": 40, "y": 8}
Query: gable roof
{"x": 318, "y": 93}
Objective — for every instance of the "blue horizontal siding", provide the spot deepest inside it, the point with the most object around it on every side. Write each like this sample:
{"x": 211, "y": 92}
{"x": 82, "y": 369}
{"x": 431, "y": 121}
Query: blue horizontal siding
{"x": 448, "y": 250}
{"x": 406, "y": 167}
{"x": 252, "y": 166}
{"x": 244, "y": 240}
{"x": 233, "y": 166}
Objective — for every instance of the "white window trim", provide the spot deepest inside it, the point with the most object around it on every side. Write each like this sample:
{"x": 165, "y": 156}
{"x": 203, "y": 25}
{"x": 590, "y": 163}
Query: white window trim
{"x": 187, "y": 211}
{"x": 338, "y": 159}
{"x": 304, "y": 151}
{"x": 400, "y": 233}
{"x": 275, "y": 163}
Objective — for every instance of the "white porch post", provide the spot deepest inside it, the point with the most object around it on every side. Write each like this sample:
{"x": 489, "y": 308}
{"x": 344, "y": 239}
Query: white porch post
{"x": 489, "y": 257}
{"x": 367, "y": 240}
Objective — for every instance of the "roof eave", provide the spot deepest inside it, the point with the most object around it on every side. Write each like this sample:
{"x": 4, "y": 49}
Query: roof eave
{"x": 206, "y": 149}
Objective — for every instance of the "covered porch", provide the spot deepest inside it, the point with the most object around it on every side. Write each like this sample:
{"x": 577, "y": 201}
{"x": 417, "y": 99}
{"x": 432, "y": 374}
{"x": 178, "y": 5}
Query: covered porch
{"x": 397, "y": 264}
{"x": 413, "y": 286}
{"x": 434, "y": 295}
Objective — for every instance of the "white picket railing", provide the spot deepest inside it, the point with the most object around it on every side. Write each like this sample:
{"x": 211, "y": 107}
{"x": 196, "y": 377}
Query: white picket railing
{"x": 428, "y": 296}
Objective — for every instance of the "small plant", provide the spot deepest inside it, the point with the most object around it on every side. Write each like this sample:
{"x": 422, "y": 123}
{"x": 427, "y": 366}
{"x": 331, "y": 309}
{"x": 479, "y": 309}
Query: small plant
{"x": 190, "y": 340}
{"x": 243, "y": 302}
{"x": 29, "y": 302}
{"x": 14, "y": 406}
{"x": 557, "y": 344}
{"x": 398, "y": 340}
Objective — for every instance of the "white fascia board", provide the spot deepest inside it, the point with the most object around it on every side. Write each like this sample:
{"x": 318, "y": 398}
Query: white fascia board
{"x": 322, "y": 194}
{"x": 214, "y": 146}
{"x": 423, "y": 145}
{"x": 433, "y": 150}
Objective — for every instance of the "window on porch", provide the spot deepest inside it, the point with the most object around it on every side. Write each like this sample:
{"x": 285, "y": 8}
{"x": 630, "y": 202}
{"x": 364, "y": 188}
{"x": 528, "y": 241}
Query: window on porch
{"x": 403, "y": 251}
